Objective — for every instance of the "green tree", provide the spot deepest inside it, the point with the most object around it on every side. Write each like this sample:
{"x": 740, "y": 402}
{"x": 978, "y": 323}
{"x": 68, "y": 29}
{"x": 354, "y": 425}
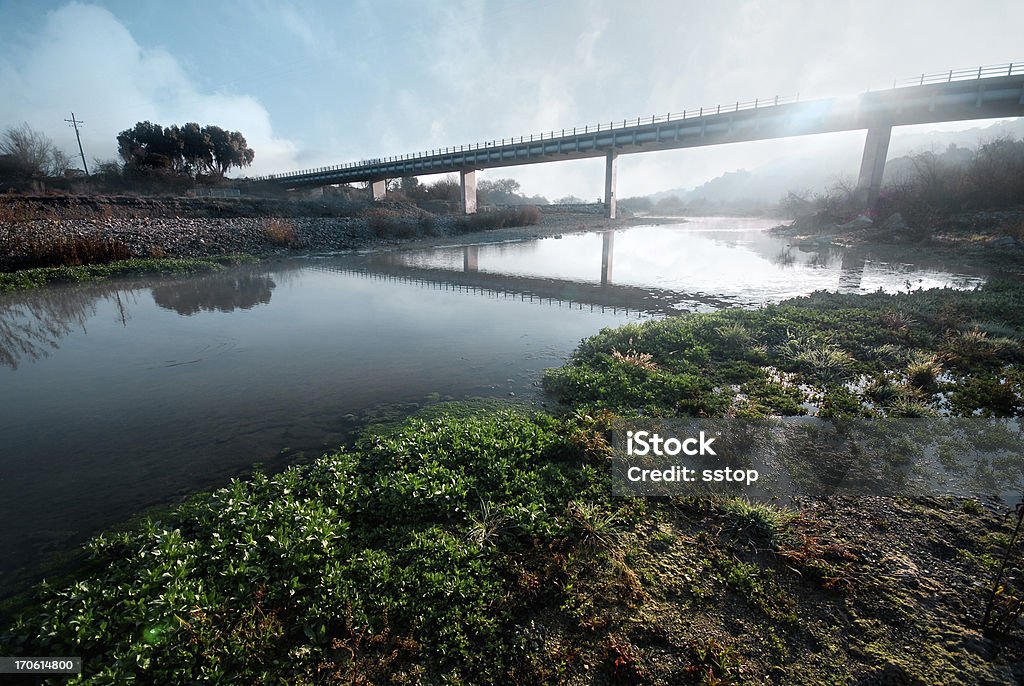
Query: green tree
{"x": 230, "y": 149}
{"x": 150, "y": 146}
{"x": 190, "y": 149}
{"x": 196, "y": 149}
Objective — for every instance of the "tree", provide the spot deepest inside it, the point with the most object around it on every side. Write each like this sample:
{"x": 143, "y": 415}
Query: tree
{"x": 149, "y": 146}
{"x": 500, "y": 192}
{"x": 31, "y": 153}
{"x": 190, "y": 149}
{"x": 411, "y": 187}
{"x": 569, "y": 200}
{"x": 446, "y": 188}
{"x": 230, "y": 149}
{"x": 103, "y": 167}
{"x": 196, "y": 149}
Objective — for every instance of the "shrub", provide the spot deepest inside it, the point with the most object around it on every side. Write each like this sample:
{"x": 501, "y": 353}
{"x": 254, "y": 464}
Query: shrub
{"x": 523, "y": 215}
{"x": 280, "y": 232}
{"x": 923, "y": 372}
{"x": 385, "y": 224}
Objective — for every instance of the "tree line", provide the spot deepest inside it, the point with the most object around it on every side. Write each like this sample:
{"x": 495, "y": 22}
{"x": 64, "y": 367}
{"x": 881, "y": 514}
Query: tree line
{"x": 447, "y": 189}
{"x": 190, "y": 151}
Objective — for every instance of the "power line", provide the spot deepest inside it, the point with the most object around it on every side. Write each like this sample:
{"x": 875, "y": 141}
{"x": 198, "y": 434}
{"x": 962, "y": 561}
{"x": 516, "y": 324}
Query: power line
{"x": 75, "y": 122}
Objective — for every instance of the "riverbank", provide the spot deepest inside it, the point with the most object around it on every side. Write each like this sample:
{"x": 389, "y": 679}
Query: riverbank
{"x": 975, "y": 232}
{"x": 488, "y": 549}
{"x": 72, "y": 230}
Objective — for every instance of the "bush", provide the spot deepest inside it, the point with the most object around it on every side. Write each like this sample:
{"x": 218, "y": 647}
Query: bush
{"x": 524, "y": 215}
{"x": 280, "y": 232}
{"x": 385, "y": 224}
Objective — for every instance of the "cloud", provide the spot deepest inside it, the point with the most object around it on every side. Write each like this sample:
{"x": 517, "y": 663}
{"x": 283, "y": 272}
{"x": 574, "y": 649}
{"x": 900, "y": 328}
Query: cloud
{"x": 113, "y": 82}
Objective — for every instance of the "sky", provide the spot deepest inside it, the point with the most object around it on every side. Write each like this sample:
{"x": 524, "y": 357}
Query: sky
{"x": 319, "y": 82}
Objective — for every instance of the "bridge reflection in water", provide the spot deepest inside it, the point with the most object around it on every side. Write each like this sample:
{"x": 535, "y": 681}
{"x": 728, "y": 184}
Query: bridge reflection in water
{"x": 471, "y": 257}
{"x": 441, "y": 268}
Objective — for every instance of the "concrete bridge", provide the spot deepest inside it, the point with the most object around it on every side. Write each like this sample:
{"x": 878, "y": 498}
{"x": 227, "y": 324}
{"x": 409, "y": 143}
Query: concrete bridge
{"x": 957, "y": 95}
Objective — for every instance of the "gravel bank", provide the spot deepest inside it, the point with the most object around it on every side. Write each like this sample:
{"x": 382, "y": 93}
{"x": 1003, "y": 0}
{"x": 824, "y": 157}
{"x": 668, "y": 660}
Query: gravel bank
{"x": 197, "y": 236}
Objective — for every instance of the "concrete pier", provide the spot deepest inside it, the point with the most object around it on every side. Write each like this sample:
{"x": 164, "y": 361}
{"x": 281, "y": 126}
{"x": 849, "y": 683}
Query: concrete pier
{"x": 471, "y": 258}
{"x": 872, "y": 166}
{"x": 610, "y": 165}
{"x": 607, "y": 256}
{"x": 467, "y": 182}
{"x": 378, "y": 189}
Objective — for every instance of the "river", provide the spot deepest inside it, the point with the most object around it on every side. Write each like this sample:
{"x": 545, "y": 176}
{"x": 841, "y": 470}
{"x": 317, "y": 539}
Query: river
{"x": 128, "y": 394}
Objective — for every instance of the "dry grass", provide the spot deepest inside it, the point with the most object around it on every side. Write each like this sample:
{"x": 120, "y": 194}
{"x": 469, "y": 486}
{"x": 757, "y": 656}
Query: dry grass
{"x": 25, "y": 250}
{"x": 642, "y": 360}
{"x": 279, "y": 232}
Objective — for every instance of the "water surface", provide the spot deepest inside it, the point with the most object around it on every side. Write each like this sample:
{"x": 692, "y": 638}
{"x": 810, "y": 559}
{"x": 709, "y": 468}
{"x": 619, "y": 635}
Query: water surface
{"x": 122, "y": 395}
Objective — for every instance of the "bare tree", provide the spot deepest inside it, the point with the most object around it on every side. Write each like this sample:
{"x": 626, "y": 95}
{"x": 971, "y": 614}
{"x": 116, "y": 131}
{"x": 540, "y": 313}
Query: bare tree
{"x": 32, "y": 152}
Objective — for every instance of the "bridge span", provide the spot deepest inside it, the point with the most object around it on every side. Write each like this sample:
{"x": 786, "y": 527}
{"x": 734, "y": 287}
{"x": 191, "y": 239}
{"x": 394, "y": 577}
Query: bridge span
{"x": 957, "y": 95}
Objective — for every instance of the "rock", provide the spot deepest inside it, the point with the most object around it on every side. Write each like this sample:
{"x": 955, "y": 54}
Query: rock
{"x": 894, "y": 222}
{"x": 858, "y": 222}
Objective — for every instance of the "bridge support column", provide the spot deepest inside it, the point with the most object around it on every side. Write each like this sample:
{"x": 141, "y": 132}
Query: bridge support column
{"x": 378, "y": 188}
{"x": 851, "y": 272}
{"x": 872, "y": 165}
{"x": 607, "y": 256}
{"x": 610, "y": 163}
{"x": 467, "y": 181}
{"x": 471, "y": 258}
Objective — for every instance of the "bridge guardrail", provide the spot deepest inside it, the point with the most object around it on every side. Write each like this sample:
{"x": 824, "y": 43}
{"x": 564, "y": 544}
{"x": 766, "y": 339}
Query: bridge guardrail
{"x": 989, "y": 71}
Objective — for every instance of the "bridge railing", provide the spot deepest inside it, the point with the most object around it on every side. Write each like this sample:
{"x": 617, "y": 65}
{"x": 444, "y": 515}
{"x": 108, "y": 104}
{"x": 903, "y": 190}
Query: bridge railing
{"x": 982, "y": 72}
{"x": 585, "y": 129}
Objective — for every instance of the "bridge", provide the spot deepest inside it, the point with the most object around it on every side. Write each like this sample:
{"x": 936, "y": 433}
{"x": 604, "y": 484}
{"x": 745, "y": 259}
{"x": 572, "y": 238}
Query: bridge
{"x": 957, "y": 95}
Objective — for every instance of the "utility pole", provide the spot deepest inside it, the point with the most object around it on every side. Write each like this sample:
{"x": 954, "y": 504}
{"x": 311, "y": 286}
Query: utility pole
{"x": 75, "y": 122}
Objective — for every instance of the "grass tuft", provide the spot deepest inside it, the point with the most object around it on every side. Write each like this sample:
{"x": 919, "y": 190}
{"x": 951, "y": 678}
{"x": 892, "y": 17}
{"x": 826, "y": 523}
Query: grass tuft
{"x": 279, "y": 232}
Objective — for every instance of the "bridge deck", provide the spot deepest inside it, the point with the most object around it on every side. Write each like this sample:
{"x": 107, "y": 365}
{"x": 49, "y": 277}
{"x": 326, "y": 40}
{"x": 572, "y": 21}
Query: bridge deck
{"x": 981, "y": 98}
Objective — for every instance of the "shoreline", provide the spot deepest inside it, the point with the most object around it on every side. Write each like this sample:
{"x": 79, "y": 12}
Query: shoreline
{"x": 172, "y": 244}
{"x": 182, "y": 235}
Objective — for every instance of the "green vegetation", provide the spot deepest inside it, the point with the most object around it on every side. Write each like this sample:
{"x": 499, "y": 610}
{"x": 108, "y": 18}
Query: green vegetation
{"x": 484, "y": 547}
{"x": 911, "y": 354}
{"x": 34, "y": 278}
